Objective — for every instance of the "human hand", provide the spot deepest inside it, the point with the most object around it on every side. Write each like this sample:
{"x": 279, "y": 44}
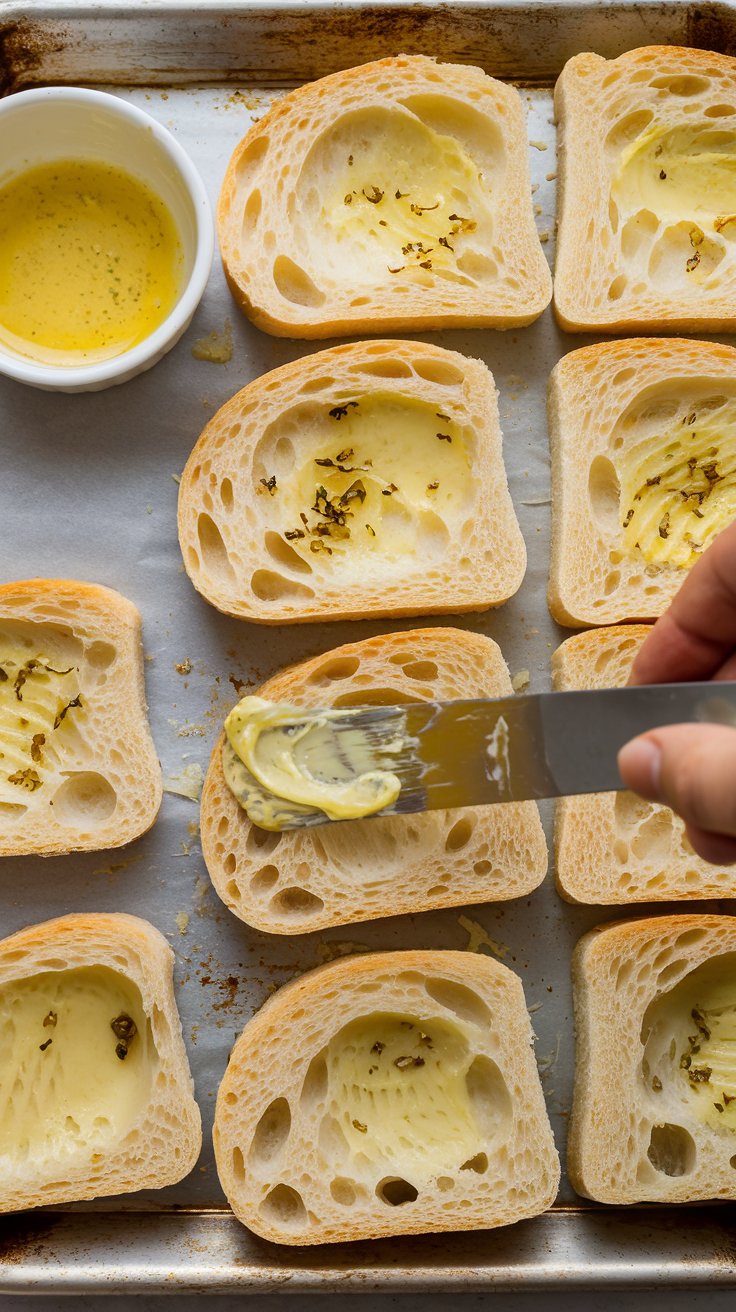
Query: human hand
{"x": 692, "y": 767}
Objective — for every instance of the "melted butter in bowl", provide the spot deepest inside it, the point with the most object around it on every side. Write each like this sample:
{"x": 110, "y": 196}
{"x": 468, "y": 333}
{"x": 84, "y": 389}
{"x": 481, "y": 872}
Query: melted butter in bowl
{"x": 91, "y": 262}
{"x": 106, "y": 239}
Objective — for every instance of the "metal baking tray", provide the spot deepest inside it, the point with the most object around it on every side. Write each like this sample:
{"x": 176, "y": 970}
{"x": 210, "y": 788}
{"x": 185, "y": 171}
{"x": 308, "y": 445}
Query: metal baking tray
{"x": 87, "y": 490}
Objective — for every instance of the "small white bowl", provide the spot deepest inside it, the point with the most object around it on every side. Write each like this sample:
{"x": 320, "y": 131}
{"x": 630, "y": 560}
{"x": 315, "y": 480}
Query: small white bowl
{"x": 37, "y": 127}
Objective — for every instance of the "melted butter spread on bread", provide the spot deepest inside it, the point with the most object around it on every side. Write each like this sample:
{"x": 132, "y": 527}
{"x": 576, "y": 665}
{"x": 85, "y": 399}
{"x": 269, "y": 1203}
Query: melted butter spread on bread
{"x": 685, "y": 177}
{"x": 382, "y": 482}
{"x": 709, "y": 1062}
{"x": 65, "y": 1090}
{"x": 282, "y": 764}
{"x": 40, "y": 701}
{"x": 400, "y": 1090}
{"x": 678, "y": 488}
{"x": 397, "y": 200}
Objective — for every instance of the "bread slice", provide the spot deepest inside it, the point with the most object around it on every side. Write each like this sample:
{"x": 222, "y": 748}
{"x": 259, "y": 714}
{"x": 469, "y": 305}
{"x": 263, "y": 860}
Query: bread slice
{"x": 393, "y": 1093}
{"x": 307, "y": 879}
{"x": 394, "y": 196}
{"x": 643, "y": 445}
{"x": 647, "y": 210}
{"x": 364, "y": 480}
{"x": 654, "y": 1106}
{"x": 615, "y": 847}
{"x": 78, "y": 768}
{"x": 95, "y": 1091}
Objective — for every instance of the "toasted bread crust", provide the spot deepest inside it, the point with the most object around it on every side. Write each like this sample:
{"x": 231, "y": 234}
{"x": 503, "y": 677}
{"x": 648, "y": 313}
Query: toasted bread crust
{"x": 323, "y": 306}
{"x": 615, "y": 848}
{"x": 233, "y": 542}
{"x": 162, "y": 1145}
{"x": 593, "y": 394}
{"x": 329, "y": 1200}
{"x": 116, "y": 804}
{"x": 309, "y": 879}
{"x": 619, "y": 970}
{"x": 595, "y": 98}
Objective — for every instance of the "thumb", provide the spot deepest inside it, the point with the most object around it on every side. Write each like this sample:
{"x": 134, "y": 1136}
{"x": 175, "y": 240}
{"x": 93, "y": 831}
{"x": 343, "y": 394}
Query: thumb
{"x": 692, "y": 769}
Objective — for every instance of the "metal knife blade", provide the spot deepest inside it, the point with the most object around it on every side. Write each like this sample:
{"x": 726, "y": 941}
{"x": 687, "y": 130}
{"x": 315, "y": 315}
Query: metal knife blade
{"x": 471, "y": 753}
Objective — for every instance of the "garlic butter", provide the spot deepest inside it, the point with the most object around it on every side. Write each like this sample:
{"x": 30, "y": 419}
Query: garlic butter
{"x": 91, "y": 262}
{"x": 678, "y": 487}
{"x": 399, "y": 1090}
{"x": 77, "y": 1062}
{"x": 378, "y": 482}
{"x": 683, "y": 172}
{"x": 397, "y": 201}
{"x": 280, "y": 767}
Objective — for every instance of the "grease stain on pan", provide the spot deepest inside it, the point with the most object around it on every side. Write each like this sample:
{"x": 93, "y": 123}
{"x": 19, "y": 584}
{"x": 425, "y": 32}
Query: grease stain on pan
{"x": 23, "y": 47}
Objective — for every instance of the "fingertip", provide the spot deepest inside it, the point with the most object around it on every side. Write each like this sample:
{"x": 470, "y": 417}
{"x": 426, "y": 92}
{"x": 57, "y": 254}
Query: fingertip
{"x": 717, "y": 849}
{"x": 640, "y": 766}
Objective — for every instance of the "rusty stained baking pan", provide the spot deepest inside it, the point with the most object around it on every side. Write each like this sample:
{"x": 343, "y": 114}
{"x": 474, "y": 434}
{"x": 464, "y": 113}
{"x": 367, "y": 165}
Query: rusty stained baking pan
{"x": 208, "y": 70}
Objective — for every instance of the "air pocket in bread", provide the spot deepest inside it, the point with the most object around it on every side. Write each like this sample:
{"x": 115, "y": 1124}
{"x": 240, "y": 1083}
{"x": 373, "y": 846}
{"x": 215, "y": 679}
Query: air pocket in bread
{"x": 95, "y": 1090}
{"x": 78, "y": 768}
{"x": 363, "y": 480}
{"x": 616, "y": 847}
{"x": 643, "y": 446}
{"x": 307, "y": 879}
{"x": 647, "y": 213}
{"x": 654, "y": 1108}
{"x": 388, "y": 197}
{"x": 393, "y": 1093}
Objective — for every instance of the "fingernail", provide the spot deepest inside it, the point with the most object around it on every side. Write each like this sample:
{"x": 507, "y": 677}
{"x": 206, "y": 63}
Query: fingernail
{"x": 640, "y": 764}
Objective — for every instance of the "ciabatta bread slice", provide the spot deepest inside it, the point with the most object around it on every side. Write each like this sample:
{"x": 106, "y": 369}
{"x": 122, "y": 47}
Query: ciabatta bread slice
{"x": 615, "y": 847}
{"x": 95, "y": 1091}
{"x": 363, "y": 480}
{"x": 643, "y": 445}
{"x": 654, "y": 1107}
{"x": 390, "y": 197}
{"x": 393, "y": 1093}
{"x": 78, "y": 768}
{"x": 647, "y": 210}
{"x": 361, "y": 869}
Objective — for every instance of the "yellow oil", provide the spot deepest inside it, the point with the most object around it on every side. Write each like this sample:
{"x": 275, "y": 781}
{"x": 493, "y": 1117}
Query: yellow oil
{"x": 90, "y": 262}
{"x": 678, "y": 488}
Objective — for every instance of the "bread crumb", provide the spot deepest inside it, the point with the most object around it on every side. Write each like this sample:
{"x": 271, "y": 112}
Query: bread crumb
{"x": 115, "y": 866}
{"x": 521, "y": 681}
{"x": 183, "y": 667}
{"x": 538, "y": 145}
{"x": 535, "y": 188}
{"x": 537, "y": 209}
{"x": 149, "y": 510}
{"x": 215, "y": 348}
{"x": 176, "y": 478}
{"x": 550, "y": 177}
{"x": 479, "y": 938}
{"x": 181, "y": 920}
{"x": 544, "y": 237}
{"x": 188, "y": 783}
{"x": 548, "y": 1063}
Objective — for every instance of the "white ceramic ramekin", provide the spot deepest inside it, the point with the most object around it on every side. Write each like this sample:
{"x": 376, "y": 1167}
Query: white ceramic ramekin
{"x": 73, "y": 123}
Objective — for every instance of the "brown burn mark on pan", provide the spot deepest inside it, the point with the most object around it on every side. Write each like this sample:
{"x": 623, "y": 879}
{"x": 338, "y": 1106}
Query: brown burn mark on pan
{"x": 712, "y": 27}
{"x": 24, "y": 1239}
{"x": 23, "y": 46}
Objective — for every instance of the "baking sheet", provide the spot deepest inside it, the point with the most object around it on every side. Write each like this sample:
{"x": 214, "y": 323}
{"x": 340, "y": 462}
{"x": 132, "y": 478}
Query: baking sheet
{"x": 88, "y": 490}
